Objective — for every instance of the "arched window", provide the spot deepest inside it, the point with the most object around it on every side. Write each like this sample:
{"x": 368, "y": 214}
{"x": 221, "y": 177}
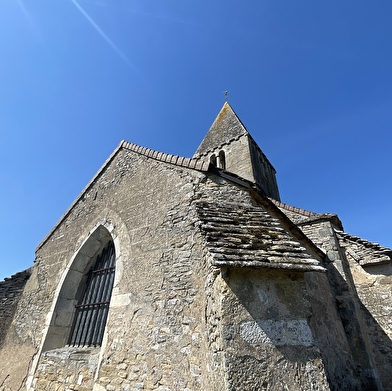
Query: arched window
{"x": 213, "y": 159}
{"x": 222, "y": 160}
{"x": 93, "y": 306}
{"x": 81, "y": 305}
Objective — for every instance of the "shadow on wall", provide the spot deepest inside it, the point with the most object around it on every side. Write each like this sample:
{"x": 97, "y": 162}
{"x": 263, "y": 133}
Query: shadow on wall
{"x": 283, "y": 319}
{"x": 267, "y": 340}
{"x": 370, "y": 346}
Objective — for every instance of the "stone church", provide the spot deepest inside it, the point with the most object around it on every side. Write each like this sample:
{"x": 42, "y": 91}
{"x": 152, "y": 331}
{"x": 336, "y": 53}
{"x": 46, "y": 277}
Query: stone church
{"x": 182, "y": 274}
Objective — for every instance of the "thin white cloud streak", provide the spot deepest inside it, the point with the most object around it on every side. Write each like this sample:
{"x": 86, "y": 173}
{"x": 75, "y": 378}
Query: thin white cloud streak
{"x": 103, "y": 35}
{"x": 21, "y": 5}
{"x": 26, "y": 14}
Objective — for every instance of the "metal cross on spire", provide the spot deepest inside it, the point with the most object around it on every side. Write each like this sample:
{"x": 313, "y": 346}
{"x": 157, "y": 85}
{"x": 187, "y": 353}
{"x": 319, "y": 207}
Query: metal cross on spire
{"x": 226, "y": 94}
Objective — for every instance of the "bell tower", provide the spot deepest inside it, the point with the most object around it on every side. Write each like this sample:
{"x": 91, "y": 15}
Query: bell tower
{"x": 230, "y": 147}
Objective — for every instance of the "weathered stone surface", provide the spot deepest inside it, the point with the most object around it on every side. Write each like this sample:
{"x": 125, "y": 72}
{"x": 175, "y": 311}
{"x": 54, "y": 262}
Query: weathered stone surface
{"x": 216, "y": 287}
{"x": 242, "y": 154}
{"x": 245, "y": 235}
{"x": 267, "y": 314}
{"x": 363, "y": 304}
{"x": 10, "y": 292}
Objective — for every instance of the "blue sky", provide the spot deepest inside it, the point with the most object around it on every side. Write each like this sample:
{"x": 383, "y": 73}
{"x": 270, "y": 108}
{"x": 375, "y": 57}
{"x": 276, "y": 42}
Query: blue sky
{"x": 310, "y": 80}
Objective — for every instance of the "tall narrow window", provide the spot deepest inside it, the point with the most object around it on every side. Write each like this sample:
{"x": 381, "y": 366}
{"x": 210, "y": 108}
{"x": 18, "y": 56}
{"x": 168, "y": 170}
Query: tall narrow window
{"x": 92, "y": 309}
{"x": 222, "y": 160}
{"x": 213, "y": 159}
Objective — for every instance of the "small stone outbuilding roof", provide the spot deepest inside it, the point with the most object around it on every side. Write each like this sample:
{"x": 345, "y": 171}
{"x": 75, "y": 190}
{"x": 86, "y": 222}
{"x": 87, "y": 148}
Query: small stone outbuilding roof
{"x": 305, "y": 217}
{"x": 239, "y": 235}
{"x": 364, "y": 252}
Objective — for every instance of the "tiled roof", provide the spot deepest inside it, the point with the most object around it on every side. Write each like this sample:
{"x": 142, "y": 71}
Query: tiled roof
{"x": 167, "y": 158}
{"x": 364, "y": 252}
{"x": 238, "y": 235}
{"x": 294, "y": 209}
{"x": 302, "y": 217}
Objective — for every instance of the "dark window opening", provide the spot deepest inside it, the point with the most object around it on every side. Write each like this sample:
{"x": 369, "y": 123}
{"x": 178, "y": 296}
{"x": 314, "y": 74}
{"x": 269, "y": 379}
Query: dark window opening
{"x": 213, "y": 160}
{"x": 92, "y": 309}
{"x": 222, "y": 160}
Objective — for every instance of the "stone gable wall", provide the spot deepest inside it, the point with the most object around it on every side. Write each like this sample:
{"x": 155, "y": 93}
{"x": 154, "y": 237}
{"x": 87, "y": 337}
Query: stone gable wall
{"x": 176, "y": 322}
{"x": 156, "y": 331}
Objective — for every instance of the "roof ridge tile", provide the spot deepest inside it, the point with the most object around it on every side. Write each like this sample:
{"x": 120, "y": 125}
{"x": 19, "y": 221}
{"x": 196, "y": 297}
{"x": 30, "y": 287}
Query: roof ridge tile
{"x": 294, "y": 208}
{"x": 180, "y": 161}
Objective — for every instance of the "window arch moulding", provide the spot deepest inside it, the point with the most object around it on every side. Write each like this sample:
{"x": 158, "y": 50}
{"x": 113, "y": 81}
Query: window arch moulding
{"x": 67, "y": 297}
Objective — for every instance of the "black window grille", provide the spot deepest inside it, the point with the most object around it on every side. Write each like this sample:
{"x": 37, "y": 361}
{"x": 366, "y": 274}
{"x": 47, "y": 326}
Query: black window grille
{"x": 92, "y": 309}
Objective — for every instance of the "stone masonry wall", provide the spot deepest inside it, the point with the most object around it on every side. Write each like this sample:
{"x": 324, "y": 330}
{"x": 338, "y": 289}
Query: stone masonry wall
{"x": 361, "y": 364}
{"x": 237, "y": 156}
{"x": 263, "y": 171}
{"x": 273, "y": 329}
{"x": 14, "y": 358}
{"x": 266, "y": 338}
{"x": 156, "y": 331}
{"x": 10, "y": 291}
{"x": 67, "y": 369}
{"x": 175, "y": 322}
{"x": 373, "y": 286}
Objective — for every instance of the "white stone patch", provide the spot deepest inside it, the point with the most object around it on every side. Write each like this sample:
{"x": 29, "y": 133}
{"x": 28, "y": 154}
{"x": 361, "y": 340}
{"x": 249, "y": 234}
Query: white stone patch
{"x": 120, "y": 300}
{"x": 97, "y": 387}
{"x": 277, "y": 332}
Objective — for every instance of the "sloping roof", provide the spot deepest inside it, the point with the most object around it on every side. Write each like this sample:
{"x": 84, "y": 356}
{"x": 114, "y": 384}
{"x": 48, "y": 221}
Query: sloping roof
{"x": 364, "y": 252}
{"x": 303, "y": 217}
{"x": 226, "y": 127}
{"x": 179, "y": 161}
{"x": 294, "y": 209}
{"x": 239, "y": 235}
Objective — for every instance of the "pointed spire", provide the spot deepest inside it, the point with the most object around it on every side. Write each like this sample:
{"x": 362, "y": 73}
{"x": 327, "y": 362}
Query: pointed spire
{"x": 229, "y": 146}
{"x": 226, "y": 127}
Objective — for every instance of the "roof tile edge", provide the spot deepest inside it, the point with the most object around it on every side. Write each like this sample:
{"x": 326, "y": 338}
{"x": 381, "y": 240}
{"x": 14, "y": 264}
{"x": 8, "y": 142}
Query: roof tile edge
{"x": 291, "y": 208}
{"x": 176, "y": 160}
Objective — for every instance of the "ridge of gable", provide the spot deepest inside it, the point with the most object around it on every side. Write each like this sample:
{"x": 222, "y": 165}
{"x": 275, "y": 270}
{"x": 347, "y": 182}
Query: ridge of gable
{"x": 181, "y": 161}
{"x": 294, "y": 209}
{"x": 191, "y": 163}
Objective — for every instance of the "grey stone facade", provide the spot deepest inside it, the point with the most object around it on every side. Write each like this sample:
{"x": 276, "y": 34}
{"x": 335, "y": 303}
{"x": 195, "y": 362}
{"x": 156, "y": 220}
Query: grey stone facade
{"x": 218, "y": 285}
